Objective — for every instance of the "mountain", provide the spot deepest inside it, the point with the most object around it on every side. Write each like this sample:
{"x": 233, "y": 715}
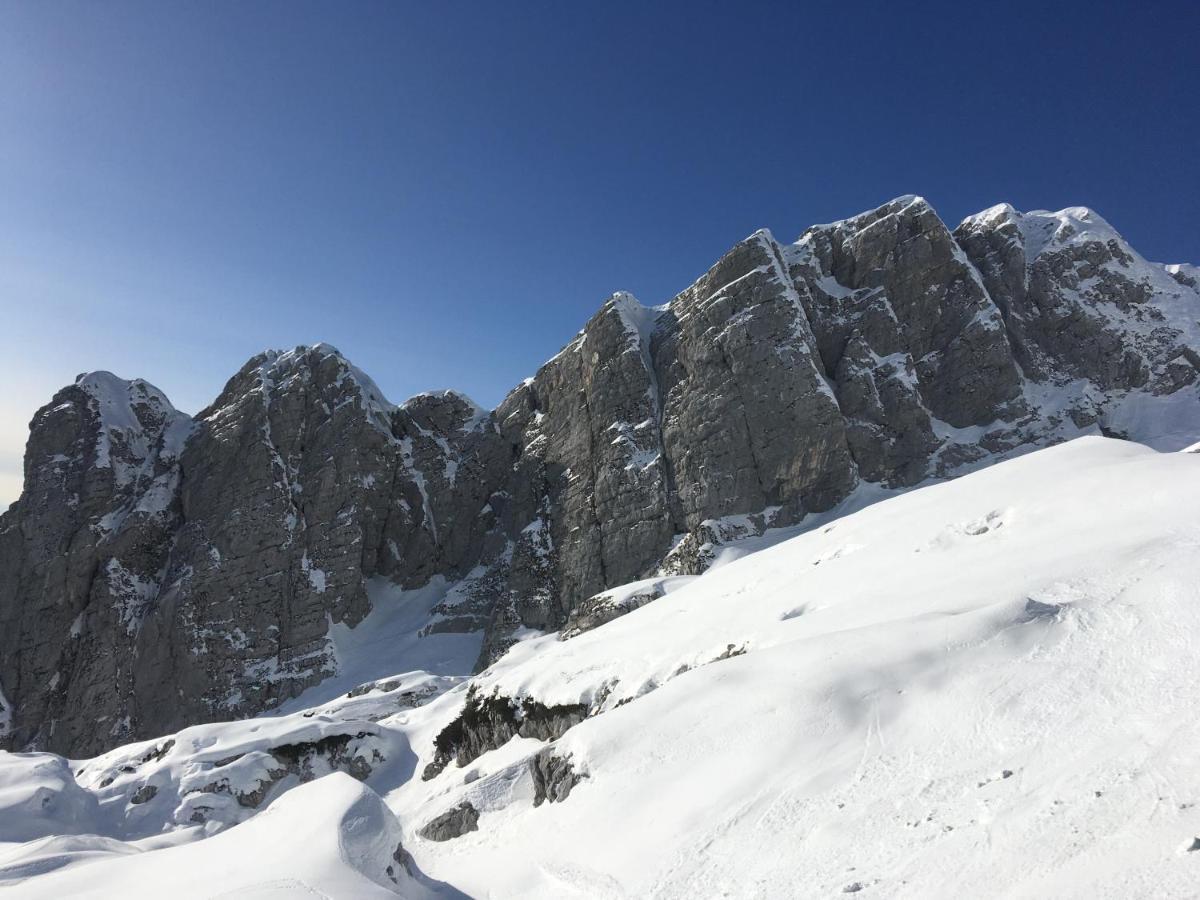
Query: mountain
{"x": 984, "y": 687}
{"x": 160, "y": 570}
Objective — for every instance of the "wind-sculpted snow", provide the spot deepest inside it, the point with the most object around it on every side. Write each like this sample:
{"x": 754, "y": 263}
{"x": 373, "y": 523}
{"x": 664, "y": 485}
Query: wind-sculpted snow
{"x": 330, "y": 838}
{"x": 161, "y": 570}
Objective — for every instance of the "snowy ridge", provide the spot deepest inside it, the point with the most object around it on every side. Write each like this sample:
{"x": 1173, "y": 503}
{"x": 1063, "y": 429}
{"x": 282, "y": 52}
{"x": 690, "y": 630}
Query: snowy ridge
{"x": 141, "y": 437}
{"x": 134, "y": 416}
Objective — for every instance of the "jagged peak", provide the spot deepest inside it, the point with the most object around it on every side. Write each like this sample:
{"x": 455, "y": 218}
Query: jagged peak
{"x": 906, "y": 203}
{"x": 300, "y": 356}
{"x": 764, "y": 237}
{"x": 762, "y": 240}
{"x": 273, "y": 370}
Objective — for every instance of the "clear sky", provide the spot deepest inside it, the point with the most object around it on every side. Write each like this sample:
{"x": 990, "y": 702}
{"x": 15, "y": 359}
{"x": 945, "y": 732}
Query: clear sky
{"x": 446, "y": 191}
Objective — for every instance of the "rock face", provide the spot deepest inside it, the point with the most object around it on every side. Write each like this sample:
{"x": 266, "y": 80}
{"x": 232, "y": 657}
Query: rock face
{"x": 161, "y": 570}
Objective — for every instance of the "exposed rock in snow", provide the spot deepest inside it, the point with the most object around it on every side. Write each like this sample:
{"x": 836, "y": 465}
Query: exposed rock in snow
{"x": 452, "y": 823}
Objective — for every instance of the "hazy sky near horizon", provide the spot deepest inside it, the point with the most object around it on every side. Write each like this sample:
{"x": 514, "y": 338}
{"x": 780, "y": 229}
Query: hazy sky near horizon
{"x": 446, "y": 191}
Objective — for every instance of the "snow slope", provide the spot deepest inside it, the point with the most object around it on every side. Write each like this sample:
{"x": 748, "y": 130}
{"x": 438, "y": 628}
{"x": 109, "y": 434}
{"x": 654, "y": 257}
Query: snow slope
{"x": 986, "y": 688}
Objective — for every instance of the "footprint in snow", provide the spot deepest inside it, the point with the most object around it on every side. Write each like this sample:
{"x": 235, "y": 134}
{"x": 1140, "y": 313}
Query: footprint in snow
{"x": 993, "y": 520}
{"x": 954, "y": 534}
{"x": 837, "y": 553}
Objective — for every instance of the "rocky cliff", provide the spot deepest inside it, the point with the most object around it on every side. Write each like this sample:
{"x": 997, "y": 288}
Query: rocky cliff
{"x": 161, "y": 570}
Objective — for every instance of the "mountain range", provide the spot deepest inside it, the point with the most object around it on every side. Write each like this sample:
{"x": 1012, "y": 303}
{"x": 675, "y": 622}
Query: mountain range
{"x": 161, "y": 570}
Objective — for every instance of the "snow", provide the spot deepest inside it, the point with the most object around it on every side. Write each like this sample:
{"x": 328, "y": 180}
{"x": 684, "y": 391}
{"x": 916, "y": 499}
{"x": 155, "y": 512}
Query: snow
{"x": 418, "y": 477}
{"x": 1075, "y": 225}
{"x": 981, "y": 687}
{"x": 39, "y": 795}
{"x": 316, "y": 575}
{"x": 330, "y": 838}
{"x": 1185, "y": 271}
{"x": 1164, "y": 422}
{"x": 132, "y": 593}
{"x": 131, "y": 445}
{"x": 392, "y": 630}
{"x": 893, "y": 674}
{"x": 113, "y": 402}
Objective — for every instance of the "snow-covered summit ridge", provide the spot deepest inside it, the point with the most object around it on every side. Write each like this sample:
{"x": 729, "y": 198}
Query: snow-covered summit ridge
{"x": 136, "y": 417}
{"x": 1043, "y": 230}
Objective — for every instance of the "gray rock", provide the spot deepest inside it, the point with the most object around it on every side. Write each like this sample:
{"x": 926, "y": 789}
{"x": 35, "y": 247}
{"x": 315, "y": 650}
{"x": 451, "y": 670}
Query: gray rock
{"x": 144, "y": 794}
{"x": 907, "y": 334}
{"x": 603, "y": 608}
{"x": 452, "y": 823}
{"x": 553, "y": 777}
{"x": 1078, "y": 301}
{"x": 486, "y": 723}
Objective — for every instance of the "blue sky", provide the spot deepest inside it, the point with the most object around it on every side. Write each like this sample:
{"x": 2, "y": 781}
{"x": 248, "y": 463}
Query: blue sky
{"x": 446, "y": 191}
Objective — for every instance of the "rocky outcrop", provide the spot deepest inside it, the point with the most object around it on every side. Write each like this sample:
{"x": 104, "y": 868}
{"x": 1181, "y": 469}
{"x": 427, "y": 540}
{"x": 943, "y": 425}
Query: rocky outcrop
{"x": 554, "y": 777}
{"x": 160, "y": 569}
{"x": 603, "y": 608}
{"x": 488, "y": 722}
{"x": 908, "y": 336}
{"x": 452, "y": 823}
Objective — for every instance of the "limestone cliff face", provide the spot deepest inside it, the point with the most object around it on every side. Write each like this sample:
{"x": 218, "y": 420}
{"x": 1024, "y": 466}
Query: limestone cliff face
{"x": 160, "y": 570}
